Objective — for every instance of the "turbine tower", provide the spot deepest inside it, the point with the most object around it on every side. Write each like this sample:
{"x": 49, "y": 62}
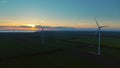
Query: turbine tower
{"x": 99, "y": 36}
{"x": 42, "y": 28}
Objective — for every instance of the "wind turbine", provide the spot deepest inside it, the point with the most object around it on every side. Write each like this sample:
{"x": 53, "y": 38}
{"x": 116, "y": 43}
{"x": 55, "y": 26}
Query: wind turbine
{"x": 99, "y": 36}
{"x": 43, "y": 40}
{"x": 14, "y": 27}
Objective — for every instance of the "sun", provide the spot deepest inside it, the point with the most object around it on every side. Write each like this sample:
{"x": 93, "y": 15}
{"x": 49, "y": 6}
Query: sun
{"x": 32, "y": 25}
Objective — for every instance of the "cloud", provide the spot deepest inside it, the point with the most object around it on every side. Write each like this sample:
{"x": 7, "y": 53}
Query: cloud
{"x": 24, "y": 26}
{"x": 39, "y": 27}
{"x": 58, "y": 28}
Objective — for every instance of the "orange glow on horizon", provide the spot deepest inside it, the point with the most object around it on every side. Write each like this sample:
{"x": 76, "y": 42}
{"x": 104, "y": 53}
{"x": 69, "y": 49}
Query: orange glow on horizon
{"x": 31, "y": 25}
{"x": 19, "y": 28}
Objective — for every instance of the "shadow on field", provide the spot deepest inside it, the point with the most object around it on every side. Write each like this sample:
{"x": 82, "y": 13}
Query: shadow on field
{"x": 32, "y": 54}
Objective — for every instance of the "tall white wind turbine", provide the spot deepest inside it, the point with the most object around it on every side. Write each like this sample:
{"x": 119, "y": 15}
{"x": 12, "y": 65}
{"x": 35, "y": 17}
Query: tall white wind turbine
{"x": 99, "y": 36}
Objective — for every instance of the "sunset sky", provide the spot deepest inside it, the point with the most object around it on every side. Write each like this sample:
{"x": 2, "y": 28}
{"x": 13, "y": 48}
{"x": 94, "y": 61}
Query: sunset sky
{"x": 66, "y": 13}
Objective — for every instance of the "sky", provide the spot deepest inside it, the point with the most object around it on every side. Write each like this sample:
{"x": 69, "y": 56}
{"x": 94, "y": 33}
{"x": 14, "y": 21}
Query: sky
{"x": 65, "y": 13}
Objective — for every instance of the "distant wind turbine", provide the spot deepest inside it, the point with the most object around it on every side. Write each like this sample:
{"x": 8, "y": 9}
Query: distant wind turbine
{"x": 99, "y": 36}
{"x": 14, "y": 28}
{"x": 43, "y": 40}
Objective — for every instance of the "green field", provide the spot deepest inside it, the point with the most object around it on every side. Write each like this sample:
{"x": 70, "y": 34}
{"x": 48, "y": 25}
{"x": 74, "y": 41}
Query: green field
{"x": 110, "y": 42}
{"x": 55, "y": 60}
{"x": 23, "y": 44}
{"x": 13, "y": 47}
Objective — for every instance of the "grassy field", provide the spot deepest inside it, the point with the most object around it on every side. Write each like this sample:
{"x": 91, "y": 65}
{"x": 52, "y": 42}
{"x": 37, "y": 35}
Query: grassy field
{"x": 13, "y": 46}
{"x": 55, "y": 60}
{"x": 28, "y": 43}
{"x": 110, "y": 42}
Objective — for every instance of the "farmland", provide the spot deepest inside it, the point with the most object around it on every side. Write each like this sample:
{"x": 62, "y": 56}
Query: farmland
{"x": 27, "y": 50}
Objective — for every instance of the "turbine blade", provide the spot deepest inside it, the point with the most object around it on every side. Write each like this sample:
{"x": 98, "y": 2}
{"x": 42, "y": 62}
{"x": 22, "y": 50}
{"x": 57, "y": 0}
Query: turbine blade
{"x": 97, "y": 22}
{"x": 103, "y": 26}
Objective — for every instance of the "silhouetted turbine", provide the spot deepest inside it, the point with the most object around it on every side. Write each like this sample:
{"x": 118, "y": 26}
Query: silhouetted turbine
{"x": 43, "y": 41}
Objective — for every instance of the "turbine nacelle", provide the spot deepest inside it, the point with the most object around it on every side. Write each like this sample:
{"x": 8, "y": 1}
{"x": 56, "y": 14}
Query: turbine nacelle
{"x": 102, "y": 27}
{"x": 99, "y": 27}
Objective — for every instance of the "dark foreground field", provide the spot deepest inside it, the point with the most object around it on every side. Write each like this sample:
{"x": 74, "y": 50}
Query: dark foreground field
{"x": 62, "y": 49}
